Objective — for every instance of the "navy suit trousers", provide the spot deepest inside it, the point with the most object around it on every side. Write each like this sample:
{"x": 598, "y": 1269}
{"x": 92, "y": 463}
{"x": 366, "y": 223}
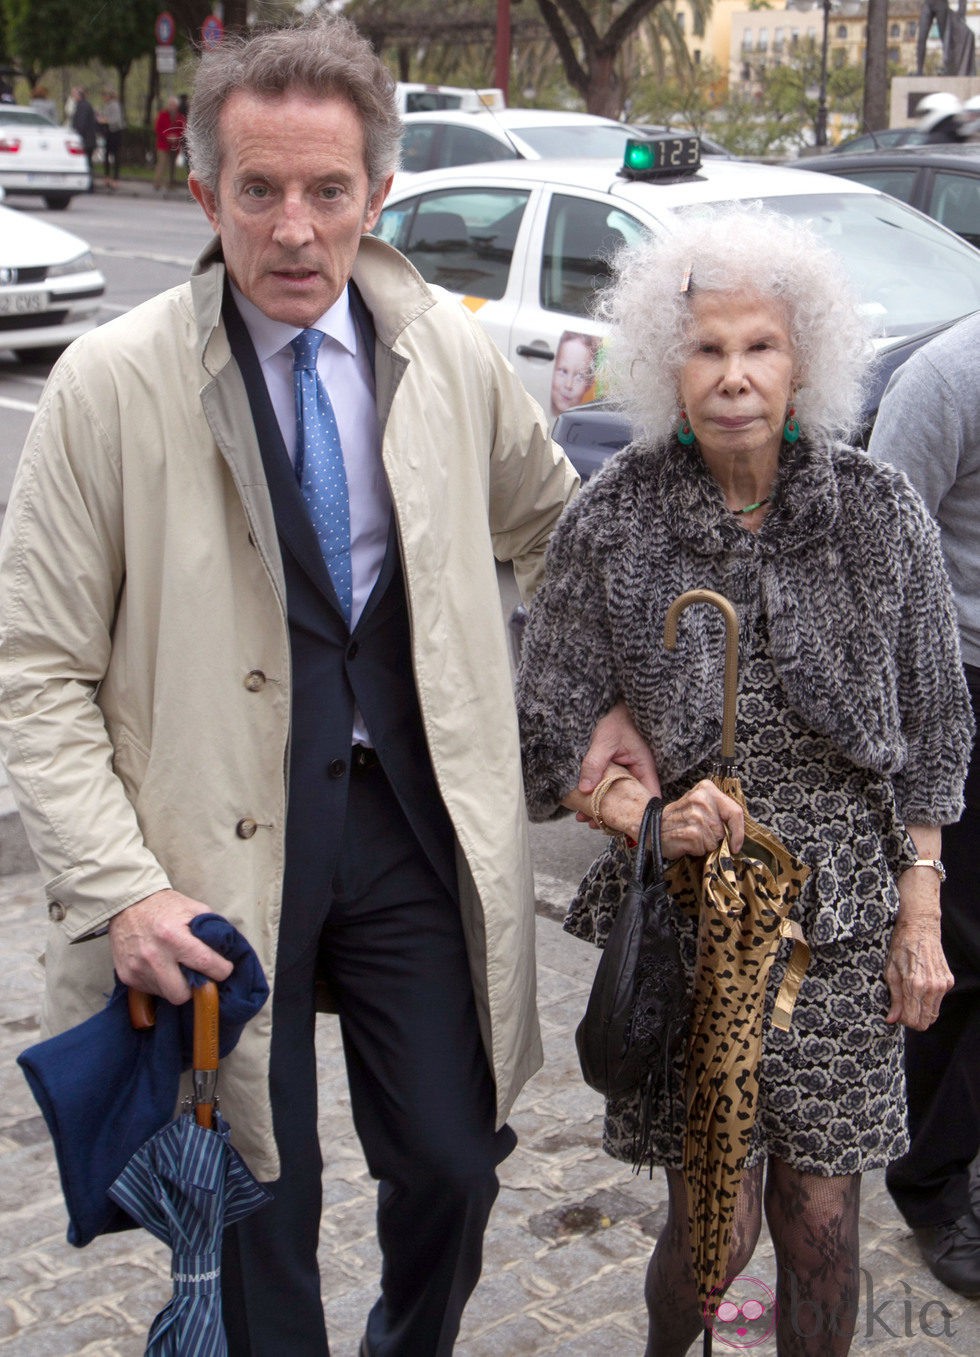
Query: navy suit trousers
{"x": 393, "y": 953}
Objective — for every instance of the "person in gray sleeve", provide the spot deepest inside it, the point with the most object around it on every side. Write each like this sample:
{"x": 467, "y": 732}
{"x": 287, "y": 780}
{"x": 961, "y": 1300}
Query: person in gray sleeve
{"x": 929, "y": 427}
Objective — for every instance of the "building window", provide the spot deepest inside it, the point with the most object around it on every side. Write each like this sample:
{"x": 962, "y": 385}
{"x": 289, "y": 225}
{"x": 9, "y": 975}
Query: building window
{"x": 763, "y": 39}
{"x": 747, "y": 40}
{"x": 680, "y": 16}
{"x": 894, "y": 30}
{"x": 842, "y": 32}
{"x": 778, "y": 39}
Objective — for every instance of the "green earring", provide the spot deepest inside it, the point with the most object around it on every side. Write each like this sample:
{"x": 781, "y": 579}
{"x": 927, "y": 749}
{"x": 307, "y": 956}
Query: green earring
{"x": 791, "y": 429}
{"x": 685, "y": 434}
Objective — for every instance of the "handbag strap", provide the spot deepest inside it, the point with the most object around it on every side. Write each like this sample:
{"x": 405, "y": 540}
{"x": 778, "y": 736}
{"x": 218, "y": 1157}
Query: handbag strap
{"x": 648, "y": 868}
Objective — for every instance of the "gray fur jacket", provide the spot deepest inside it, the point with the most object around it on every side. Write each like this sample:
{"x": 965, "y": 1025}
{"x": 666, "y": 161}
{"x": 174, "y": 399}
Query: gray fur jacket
{"x": 847, "y": 571}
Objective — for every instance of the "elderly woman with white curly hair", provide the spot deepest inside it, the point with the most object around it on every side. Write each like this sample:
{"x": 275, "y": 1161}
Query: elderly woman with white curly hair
{"x": 738, "y": 351}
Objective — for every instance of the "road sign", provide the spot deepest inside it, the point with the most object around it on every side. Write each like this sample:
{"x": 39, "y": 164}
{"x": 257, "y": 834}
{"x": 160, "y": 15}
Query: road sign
{"x": 212, "y": 31}
{"x": 165, "y": 29}
{"x": 166, "y": 60}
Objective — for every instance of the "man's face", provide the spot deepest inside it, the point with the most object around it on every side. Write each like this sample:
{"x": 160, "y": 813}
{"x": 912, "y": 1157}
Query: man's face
{"x": 293, "y": 200}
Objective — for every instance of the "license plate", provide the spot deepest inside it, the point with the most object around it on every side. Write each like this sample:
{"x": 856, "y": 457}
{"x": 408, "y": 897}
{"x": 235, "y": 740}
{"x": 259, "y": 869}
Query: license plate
{"x": 22, "y": 303}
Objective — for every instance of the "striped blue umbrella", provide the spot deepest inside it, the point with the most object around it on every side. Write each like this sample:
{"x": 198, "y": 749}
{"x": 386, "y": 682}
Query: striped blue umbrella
{"x": 185, "y": 1185}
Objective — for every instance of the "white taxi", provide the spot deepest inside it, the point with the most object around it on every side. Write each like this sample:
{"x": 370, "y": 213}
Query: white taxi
{"x": 526, "y": 244}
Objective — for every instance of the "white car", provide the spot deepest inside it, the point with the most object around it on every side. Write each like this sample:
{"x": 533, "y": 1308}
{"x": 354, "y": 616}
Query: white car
{"x": 39, "y": 158}
{"x": 49, "y": 287}
{"x": 439, "y": 140}
{"x": 526, "y": 244}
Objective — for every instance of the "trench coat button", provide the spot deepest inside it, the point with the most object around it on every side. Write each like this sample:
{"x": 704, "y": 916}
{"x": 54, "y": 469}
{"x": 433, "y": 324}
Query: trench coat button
{"x": 254, "y": 680}
{"x": 336, "y": 768}
{"x": 352, "y": 650}
{"x": 246, "y": 828}
{"x": 56, "y": 912}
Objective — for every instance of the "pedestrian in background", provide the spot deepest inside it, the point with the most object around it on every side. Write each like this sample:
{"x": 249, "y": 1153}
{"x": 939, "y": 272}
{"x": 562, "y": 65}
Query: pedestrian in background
{"x": 252, "y": 659}
{"x": 43, "y": 104}
{"x": 169, "y": 133}
{"x": 85, "y": 123}
{"x": 111, "y": 125}
{"x": 928, "y": 426}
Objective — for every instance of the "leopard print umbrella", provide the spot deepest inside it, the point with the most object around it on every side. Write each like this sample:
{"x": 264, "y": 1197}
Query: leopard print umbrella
{"x": 743, "y": 901}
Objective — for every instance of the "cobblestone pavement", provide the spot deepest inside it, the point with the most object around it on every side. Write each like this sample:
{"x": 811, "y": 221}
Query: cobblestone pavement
{"x": 568, "y": 1240}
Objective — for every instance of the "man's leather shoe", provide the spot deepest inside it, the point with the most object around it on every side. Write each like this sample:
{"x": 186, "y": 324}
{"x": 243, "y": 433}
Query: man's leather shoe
{"x": 952, "y": 1253}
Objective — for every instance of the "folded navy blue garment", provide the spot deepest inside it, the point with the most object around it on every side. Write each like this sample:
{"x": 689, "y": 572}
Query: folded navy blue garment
{"x": 105, "y": 1088}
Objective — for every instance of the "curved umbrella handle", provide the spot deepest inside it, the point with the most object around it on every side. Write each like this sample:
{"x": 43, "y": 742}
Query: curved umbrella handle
{"x": 205, "y": 1071}
{"x": 142, "y": 1010}
{"x": 731, "y": 658}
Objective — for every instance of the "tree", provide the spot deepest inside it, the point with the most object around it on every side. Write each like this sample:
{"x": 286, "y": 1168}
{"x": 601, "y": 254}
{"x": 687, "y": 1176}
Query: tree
{"x": 874, "y": 114}
{"x": 42, "y": 34}
{"x": 592, "y": 60}
{"x": 117, "y": 35}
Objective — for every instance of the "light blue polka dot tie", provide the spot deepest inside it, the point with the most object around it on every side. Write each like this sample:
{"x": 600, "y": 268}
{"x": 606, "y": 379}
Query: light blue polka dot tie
{"x": 320, "y": 466}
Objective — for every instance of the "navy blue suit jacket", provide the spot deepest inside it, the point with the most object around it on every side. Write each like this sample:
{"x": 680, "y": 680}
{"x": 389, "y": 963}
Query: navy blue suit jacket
{"x": 334, "y": 669}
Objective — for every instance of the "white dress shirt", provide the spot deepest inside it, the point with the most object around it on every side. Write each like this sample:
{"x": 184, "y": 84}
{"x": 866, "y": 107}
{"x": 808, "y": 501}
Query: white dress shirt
{"x": 345, "y": 369}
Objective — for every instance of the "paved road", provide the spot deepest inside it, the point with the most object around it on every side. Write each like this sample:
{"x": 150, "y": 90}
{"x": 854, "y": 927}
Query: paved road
{"x": 566, "y": 1249}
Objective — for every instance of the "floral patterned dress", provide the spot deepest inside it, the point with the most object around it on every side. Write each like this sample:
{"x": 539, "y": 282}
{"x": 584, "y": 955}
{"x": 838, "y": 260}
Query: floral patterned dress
{"x": 832, "y": 1088}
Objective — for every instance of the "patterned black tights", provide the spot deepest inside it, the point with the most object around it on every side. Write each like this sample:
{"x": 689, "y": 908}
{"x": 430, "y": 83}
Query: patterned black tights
{"x": 814, "y": 1226}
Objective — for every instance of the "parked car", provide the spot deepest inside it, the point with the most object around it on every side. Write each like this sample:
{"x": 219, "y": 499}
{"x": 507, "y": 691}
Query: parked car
{"x": 526, "y": 244}
{"x": 884, "y": 140}
{"x": 417, "y": 98}
{"x": 49, "y": 287}
{"x": 941, "y": 181}
{"x": 434, "y": 141}
{"x": 39, "y": 158}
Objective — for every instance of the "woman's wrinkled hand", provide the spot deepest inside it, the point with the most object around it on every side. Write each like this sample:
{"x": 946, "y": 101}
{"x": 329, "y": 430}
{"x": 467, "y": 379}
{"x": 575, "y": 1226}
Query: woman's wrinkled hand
{"x": 696, "y": 823}
{"x": 916, "y": 973}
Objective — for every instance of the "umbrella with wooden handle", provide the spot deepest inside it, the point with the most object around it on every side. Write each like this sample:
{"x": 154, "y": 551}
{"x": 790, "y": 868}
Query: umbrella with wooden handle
{"x": 744, "y": 902}
{"x": 186, "y": 1185}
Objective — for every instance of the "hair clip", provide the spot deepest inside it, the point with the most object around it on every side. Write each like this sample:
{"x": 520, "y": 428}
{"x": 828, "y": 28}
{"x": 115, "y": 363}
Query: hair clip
{"x": 686, "y": 280}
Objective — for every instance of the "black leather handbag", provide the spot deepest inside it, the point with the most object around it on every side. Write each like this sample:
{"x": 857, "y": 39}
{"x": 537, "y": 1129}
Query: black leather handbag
{"x": 638, "y": 1009}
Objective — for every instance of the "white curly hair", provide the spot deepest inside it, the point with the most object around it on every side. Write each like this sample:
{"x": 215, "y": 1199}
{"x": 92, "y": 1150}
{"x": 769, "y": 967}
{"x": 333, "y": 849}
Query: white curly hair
{"x": 737, "y": 247}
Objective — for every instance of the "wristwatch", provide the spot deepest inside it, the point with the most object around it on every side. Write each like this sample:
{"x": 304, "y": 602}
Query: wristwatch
{"x": 934, "y": 863}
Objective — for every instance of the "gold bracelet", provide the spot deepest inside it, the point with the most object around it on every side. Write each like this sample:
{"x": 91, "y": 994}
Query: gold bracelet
{"x": 600, "y": 792}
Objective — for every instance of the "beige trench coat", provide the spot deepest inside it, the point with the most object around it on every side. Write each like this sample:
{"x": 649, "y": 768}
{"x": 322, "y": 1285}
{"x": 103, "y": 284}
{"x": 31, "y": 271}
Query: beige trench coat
{"x": 144, "y": 651}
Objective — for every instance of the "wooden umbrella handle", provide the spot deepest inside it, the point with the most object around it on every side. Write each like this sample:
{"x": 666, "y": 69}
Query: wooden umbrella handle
{"x": 142, "y": 1010}
{"x": 205, "y": 1073}
{"x": 731, "y": 657}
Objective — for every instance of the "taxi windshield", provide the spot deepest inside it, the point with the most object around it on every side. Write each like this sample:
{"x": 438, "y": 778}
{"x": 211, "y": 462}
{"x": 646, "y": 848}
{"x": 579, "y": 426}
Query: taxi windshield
{"x": 909, "y": 273}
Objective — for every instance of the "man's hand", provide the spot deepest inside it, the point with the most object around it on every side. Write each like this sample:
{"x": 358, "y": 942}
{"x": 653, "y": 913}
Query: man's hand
{"x": 152, "y": 938}
{"x": 617, "y": 740}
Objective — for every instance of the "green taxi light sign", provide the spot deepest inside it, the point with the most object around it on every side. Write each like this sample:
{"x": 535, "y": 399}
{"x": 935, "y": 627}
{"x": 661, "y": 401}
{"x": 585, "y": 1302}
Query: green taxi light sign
{"x": 661, "y": 155}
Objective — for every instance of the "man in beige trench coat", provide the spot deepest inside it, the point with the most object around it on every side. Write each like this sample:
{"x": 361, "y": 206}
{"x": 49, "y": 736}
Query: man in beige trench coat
{"x": 194, "y": 716}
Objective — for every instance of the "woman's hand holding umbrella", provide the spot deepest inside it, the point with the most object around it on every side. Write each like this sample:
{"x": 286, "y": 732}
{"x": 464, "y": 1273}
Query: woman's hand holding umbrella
{"x": 692, "y": 825}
